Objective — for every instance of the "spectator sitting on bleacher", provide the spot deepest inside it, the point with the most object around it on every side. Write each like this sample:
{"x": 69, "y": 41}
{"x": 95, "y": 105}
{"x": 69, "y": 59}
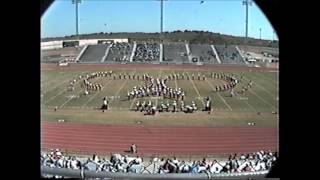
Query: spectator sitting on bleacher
{"x": 253, "y": 162}
{"x": 147, "y": 52}
{"x": 215, "y": 167}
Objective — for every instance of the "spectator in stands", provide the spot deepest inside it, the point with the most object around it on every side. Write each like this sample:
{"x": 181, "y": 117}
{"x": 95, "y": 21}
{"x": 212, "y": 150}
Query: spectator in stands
{"x": 254, "y": 162}
{"x": 215, "y": 167}
{"x": 147, "y": 52}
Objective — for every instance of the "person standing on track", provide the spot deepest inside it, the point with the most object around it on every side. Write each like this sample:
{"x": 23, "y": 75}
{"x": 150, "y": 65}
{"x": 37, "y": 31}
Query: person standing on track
{"x": 133, "y": 148}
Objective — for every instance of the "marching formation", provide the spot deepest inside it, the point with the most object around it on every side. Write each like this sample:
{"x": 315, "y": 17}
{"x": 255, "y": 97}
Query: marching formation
{"x": 87, "y": 85}
{"x": 231, "y": 81}
{"x": 158, "y": 88}
{"x": 245, "y": 88}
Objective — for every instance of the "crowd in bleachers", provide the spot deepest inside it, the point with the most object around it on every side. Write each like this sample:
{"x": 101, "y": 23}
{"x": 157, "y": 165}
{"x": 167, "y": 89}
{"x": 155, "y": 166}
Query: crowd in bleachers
{"x": 147, "y": 52}
{"x": 228, "y": 54}
{"x": 119, "y": 52}
{"x": 236, "y": 163}
{"x": 117, "y": 162}
{"x": 252, "y": 162}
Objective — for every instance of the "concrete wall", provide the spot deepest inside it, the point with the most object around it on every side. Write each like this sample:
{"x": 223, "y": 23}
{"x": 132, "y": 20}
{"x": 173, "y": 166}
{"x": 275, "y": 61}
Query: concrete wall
{"x": 51, "y": 45}
{"x": 83, "y": 42}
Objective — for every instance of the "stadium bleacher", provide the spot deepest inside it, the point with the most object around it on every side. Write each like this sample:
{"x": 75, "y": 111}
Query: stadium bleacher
{"x": 94, "y": 53}
{"x": 175, "y": 52}
{"x": 147, "y": 52}
{"x": 229, "y": 54}
{"x": 261, "y": 50}
{"x": 57, "y": 55}
{"x": 119, "y": 52}
{"x": 235, "y": 165}
{"x": 203, "y": 52}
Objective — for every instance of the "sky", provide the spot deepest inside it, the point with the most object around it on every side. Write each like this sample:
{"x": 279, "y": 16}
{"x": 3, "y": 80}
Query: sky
{"x": 220, "y": 16}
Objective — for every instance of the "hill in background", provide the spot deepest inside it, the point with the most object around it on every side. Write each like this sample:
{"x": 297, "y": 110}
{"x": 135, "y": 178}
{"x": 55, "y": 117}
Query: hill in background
{"x": 194, "y": 37}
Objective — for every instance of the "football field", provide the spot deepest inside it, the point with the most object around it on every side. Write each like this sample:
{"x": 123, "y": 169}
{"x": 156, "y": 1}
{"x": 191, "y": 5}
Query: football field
{"x": 258, "y": 104}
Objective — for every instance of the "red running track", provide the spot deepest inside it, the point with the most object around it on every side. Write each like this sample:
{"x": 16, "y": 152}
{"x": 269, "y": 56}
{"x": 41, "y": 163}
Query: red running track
{"x": 102, "y": 139}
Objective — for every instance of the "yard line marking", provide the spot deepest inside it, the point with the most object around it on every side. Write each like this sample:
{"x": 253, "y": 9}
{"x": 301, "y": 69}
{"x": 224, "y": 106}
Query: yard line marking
{"x": 90, "y": 99}
{"x": 259, "y": 76}
{"x": 261, "y": 87}
{"x": 63, "y": 82}
{"x": 251, "y": 107}
{"x": 65, "y": 89}
{"x": 134, "y": 99}
{"x": 261, "y": 98}
{"x": 175, "y": 81}
{"x": 65, "y": 103}
{"x": 52, "y": 87}
{"x": 267, "y": 78}
{"x": 195, "y": 88}
{"x": 78, "y": 93}
{"x": 118, "y": 91}
{"x": 56, "y": 95}
{"x": 157, "y": 98}
{"x": 224, "y": 101}
{"x": 47, "y": 79}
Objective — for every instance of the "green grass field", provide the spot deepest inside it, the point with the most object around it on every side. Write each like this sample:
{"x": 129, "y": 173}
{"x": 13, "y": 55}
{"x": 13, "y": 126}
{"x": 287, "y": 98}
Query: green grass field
{"x": 228, "y": 111}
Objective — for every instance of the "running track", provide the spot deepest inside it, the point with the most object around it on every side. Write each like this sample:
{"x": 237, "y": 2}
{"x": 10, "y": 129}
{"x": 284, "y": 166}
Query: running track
{"x": 103, "y": 139}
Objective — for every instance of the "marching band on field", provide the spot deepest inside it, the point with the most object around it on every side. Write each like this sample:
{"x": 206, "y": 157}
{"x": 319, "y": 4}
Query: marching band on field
{"x": 157, "y": 87}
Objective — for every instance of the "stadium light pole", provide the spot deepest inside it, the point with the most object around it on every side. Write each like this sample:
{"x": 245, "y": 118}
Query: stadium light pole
{"x": 76, "y": 2}
{"x": 273, "y": 36}
{"x": 161, "y": 18}
{"x": 247, "y": 3}
{"x": 260, "y": 33}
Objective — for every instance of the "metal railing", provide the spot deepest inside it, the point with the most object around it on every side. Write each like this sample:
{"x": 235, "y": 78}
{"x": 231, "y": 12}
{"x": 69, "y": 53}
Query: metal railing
{"x": 73, "y": 173}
